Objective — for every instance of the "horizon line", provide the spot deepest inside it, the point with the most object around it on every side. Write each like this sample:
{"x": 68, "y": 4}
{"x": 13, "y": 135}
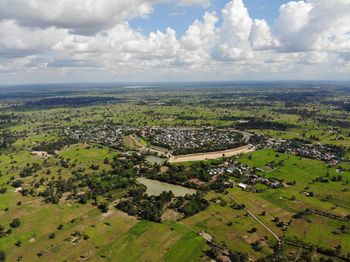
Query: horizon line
{"x": 179, "y": 82}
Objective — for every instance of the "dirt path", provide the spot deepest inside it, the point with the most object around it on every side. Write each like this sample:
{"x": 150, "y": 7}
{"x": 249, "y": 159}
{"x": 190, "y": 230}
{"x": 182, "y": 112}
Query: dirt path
{"x": 152, "y": 149}
{"x": 212, "y": 155}
{"x": 204, "y": 235}
{"x": 246, "y": 135}
{"x": 258, "y": 220}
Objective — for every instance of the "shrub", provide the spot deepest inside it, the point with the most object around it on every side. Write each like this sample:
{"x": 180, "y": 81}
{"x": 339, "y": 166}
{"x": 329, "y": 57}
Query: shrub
{"x": 15, "y": 223}
{"x": 2, "y": 256}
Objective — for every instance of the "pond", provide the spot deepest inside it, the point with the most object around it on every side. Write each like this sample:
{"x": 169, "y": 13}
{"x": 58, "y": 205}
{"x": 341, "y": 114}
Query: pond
{"x": 155, "y": 188}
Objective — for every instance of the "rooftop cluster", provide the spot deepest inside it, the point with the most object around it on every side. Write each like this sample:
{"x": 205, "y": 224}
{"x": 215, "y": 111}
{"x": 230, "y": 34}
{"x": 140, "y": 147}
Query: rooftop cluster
{"x": 246, "y": 176}
{"x": 105, "y": 134}
{"x": 193, "y": 140}
{"x": 329, "y": 153}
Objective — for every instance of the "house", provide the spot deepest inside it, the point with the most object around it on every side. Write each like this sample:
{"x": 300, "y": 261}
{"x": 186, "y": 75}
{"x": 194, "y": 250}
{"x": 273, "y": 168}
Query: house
{"x": 206, "y": 236}
{"x": 243, "y": 186}
{"x": 308, "y": 194}
{"x": 230, "y": 170}
{"x": 276, "y": 184}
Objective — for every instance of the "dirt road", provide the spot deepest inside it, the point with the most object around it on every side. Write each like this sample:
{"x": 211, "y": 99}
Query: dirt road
{"x": 212, "y": 155}
{"x": 257, "y": 219}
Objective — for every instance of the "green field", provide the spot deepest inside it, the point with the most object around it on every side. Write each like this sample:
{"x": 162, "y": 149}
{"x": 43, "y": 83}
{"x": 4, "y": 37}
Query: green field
{"x": 90, "y": 179}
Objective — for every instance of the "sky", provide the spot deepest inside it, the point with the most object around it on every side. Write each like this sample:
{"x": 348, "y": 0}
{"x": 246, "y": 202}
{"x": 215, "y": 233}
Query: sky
{"x": 43, "y": 41}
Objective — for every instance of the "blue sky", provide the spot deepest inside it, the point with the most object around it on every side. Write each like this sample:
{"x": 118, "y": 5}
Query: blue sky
{"x": 180, "y": 17}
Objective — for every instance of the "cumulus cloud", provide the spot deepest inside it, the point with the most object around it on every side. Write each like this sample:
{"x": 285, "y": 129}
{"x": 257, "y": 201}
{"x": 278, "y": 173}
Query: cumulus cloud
{"x": 240, "y": 35}
{"x": 201, "y": 34}
{"x": 197, "y": 43}
{"x": 235, "y": 31}
{"x": 261, "y": 36}
{"x": 95, "y": 35}
{"x": 16, "y": 41}
{"x": 314, "y": 25}
{"x": 294, "y": 16}
{"x": 79, "y": 16}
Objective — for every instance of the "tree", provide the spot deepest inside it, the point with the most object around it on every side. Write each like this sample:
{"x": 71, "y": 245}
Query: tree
{"x": 17, "y": 183}
{"x": 252, "y": 230}
{"x": 83, "y": 199}
{"x": 15, "y": 223}
{"x": 238, "y": 257}
{"x": 256, "y": 245}
{"x": 342, "y": 227}
{"x": 86, "y": 237}
{"x": 2, "y": 256}
{"x": 103, "y": 207}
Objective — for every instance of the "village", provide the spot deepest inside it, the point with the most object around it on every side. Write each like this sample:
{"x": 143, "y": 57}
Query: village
{"x": 327, "y": 153}
{"x": 245, "y": 176}
{"x": 174, "y": 141}
{"x": 193, "y": 140}
{"x": 105, "y": 134}
{"x": 183, "y": 140}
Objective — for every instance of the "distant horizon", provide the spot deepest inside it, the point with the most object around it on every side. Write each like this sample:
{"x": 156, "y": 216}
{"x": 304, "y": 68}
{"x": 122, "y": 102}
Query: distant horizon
{"x": 311, "y": 81}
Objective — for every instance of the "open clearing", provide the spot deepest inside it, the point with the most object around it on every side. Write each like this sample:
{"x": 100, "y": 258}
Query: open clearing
{"x": 42, "y": 154}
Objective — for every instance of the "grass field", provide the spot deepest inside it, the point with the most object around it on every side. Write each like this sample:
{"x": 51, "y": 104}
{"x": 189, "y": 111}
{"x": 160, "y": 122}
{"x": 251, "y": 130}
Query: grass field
{"x": 112, "y": 237}
{"x": 87, "y": 234}
{"x": 303, "y": 171}
{"x": 230, "y": 227}
{"x": 284, "y": 202}
{"x": 173, "y": 242}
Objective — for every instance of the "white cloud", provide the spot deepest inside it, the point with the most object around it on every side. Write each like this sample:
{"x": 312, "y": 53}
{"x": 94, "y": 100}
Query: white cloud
{"x": 158, "y": 45}
{"x": 198, "y": 41}
{"x": 20, "y": 41}
{"x": 14, "y": 64}
{"x": 314, "y": 25}
{"x": 194, "y": 2}
{"x": 294, "y": 16}
{"x": 86, "y": 35}
{"x": 235, "y": 31}
{"x": 79, "y": 16}
{"x": 261, "y": 36}
{"x": 201, "y": 34}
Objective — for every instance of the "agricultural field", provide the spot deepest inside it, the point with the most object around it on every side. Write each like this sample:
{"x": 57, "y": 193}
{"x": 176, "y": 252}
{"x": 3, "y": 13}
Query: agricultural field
{"x": 258, "y": 173}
